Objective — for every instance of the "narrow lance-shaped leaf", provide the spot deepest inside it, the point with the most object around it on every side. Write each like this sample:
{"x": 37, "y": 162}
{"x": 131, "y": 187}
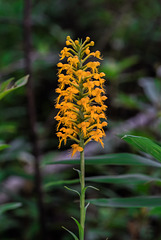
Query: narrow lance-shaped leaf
{"x": 71, "y": 233}
{"x": 9, "y": 206}
{"x": 124, "y": 179}
{"x": 144, "y": 144}
{"x": 111, "y": 159}
{"x": 5, "y": 87}
{"x": 61, "y": 182}
{"x": 131, "y": 202}
{"x": 79, "y": 226}
{"x": 116, "y": 179}
{"x": 72, "y": 190}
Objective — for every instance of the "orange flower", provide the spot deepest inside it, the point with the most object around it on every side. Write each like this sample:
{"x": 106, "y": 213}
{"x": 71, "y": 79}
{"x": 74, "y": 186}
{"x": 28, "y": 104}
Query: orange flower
{"x": 81, "y": 115}
{"x": 76, "y": 148}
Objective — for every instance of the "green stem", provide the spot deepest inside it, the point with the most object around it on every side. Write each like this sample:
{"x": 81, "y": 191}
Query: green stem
{"x": 82, "y": 163}
{"x": 82, "y": 196}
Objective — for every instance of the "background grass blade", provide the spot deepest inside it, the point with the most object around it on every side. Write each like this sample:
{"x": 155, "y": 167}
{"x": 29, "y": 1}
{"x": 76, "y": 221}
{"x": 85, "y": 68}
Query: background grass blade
{"x": 132, "y": 202}
{"x": 9, "y": 206}
{"x": 111, "y": 159}
{"x": 144, "y": 144}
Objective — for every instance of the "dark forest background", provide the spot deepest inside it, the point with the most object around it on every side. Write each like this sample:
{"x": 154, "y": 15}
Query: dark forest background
{"x": 128, "y": 34}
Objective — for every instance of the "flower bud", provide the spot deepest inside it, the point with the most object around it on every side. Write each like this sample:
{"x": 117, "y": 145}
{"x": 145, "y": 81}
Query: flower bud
{"x": 87, "y": 38}
{"x": 76, "y": 42}
{"x": 92, "y": 43}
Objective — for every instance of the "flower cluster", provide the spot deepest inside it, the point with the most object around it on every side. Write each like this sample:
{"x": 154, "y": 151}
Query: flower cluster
{"x": 81, "y": 115}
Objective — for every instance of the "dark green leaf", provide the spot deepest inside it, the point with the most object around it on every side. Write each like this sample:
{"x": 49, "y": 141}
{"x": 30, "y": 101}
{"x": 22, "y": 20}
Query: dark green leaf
{"x": 9, "y": 206}
{"x": 131, "y": 202}
{"x": 73, "y": 235}
{"x": 61, "y": 182}
{"x": 5, "y": 88}
{"x": 123, "y": 179}
{"x": 117, "y": 179}
{"x": 155, "y": 211}
{"x": 111, "y": 159}
{"x": 144, "y": 144}
{"x": 72, "y": 190}
{"x": 79, "y": 226}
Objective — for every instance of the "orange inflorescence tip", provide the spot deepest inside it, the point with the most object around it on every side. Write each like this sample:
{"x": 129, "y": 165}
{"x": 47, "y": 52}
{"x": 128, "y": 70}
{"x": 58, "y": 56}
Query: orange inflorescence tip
{"x": 81, "y": 116}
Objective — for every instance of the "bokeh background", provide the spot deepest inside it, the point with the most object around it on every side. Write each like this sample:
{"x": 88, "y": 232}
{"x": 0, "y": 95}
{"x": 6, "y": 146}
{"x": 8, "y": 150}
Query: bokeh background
{"x": 128, "y": 34}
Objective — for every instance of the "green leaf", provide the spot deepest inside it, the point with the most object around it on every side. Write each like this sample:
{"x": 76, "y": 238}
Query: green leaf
{"x": 131, "y": 202}
{"x": 3, "y": 146}
{"x": 124, "y": 179}
{"x": 116, "y": 179}
{"x": 79, "y": 226}
{"x": 79, "y": 173}
{"x": 112, "y": 159}
{"x": 5, "y": 87}
{"x": 61, "y": 182}
{"x": 86, "y": 207}
{"x": 155, "y": 211}
{"x": 9, "y": 206}
{"x": 72, "y": 190}
{"x": 113, "y": 68}
{"x": 84, "y": 189}
{"x": 144, "y": 144}
{"x": 73, "y": 235}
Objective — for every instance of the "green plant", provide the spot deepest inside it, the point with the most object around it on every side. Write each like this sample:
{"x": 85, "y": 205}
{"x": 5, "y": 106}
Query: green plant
{"x": 125, "y": 159}
{"x": 6, "y": 88}
{"x": 81, "y": 107}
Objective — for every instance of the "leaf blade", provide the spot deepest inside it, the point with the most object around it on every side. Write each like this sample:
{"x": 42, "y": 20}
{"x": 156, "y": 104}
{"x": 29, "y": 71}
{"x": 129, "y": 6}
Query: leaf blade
{"x": 71, "y": 233}
{"x": 9, "y": 206}
{"x": 111, "y": 159}
{"x": 124, "y": 179}
{"x": 5, "y": 89}
{"x": 144, "y": 144}
{"x": 114, "y": 179}
{"x": 131, "y": 202}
